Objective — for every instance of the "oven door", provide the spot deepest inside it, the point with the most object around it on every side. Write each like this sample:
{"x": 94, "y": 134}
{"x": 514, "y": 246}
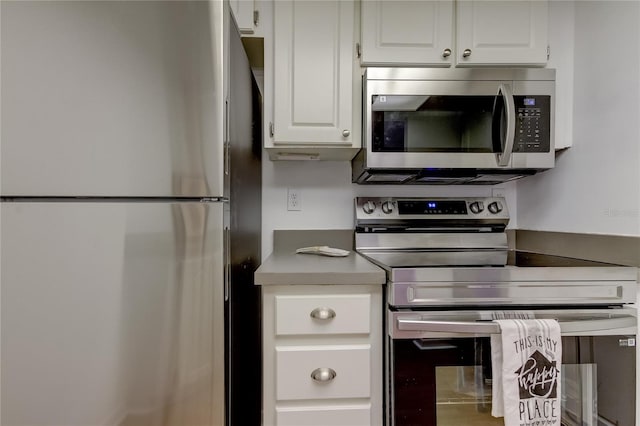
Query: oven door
{"x": 439, "y": 366}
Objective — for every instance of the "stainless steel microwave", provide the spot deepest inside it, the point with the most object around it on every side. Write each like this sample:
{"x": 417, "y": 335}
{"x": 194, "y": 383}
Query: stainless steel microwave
{"x": 455, "y": 126}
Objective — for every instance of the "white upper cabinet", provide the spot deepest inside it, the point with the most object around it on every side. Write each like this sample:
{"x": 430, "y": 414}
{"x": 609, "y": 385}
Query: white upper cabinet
{"x": 247, "y": 16}
{"x": 407, "y": 32}
{"x": 314, "y": 67}
{"x": 501, "y": 32}
{"x": 454, "y": 33}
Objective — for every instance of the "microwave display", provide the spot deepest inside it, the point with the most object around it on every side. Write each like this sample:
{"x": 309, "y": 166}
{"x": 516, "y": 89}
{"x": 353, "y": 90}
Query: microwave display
{"x": 454, "y": 123}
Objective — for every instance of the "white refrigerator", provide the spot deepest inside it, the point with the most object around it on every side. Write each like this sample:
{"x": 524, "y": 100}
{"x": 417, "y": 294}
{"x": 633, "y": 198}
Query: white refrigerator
{"x": 130, "y": 213}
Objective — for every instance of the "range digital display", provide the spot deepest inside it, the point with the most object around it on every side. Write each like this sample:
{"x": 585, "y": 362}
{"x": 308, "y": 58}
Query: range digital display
{"x": 431, "y": 207}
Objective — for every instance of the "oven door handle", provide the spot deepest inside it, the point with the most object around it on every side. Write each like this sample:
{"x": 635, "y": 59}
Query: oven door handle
{"x": 490, "y": 327}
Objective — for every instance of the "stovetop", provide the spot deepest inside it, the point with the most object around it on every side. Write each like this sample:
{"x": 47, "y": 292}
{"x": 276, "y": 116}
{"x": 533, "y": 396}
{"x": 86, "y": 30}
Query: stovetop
{"x": 455, "y": 252}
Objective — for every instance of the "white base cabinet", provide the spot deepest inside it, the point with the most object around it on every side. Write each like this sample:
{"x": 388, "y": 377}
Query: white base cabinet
{"x": 322, "y": 355}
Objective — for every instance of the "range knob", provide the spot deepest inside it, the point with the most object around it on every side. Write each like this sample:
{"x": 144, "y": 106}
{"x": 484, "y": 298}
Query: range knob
{"x": 476, "y": 207}
{"x": 369, "y": 207}
{"x": 495, "y": 207}
{"x": 387, "y": 207}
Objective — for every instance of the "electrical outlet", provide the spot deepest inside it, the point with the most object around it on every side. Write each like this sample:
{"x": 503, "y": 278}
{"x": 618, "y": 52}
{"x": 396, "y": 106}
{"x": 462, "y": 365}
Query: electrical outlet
{"x": 294, "y": 202}
{"x": 498, "y": 192}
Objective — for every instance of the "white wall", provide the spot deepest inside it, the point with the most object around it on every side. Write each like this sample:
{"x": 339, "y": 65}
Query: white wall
{"x": 595, "y": 185}
{"x": 327, "y": 196}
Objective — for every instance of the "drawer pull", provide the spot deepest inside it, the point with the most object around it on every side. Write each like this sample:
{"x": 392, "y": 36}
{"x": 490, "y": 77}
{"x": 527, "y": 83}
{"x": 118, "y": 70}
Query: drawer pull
{"x": 323, "y": 313}
{"x": 323, "y": 375}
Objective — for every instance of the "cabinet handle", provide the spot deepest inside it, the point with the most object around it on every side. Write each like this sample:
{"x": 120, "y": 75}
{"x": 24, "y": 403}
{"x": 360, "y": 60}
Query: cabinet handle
{"x": 323, "y": 375}
{"x": 323, "y": 313}
{"x": 466, "y": 53}
{"x": 346, "y": 133}
{"x": 446, "y": 53}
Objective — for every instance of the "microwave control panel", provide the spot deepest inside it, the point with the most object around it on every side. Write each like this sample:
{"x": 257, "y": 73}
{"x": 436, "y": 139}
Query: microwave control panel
{"x": 532, "y": 124}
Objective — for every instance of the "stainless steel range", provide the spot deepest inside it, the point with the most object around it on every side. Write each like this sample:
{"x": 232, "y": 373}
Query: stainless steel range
{"x": 450, "y": 273}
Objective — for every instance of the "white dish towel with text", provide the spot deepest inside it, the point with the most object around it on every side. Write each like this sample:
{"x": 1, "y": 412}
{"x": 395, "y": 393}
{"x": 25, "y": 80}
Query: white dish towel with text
{"x": 525, "y": 359}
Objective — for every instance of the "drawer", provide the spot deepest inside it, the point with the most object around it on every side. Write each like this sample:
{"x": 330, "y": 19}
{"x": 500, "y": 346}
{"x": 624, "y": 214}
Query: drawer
{"x": 295, "y": 365}
{"x": 347, "y": 314}
{"x": 357, "y": 415}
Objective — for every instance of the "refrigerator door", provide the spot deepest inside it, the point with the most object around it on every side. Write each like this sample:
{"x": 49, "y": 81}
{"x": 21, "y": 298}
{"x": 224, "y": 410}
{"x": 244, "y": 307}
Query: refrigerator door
{"x": 104, "y": 98}
{"x": 112, "y": 314}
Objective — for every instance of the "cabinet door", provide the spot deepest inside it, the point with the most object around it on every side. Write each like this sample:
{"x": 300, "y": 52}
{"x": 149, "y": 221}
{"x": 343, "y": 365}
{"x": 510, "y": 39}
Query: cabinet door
{"x": 243, "y": 12}
{"x": 501, "y": 32}
{"x": 407, "y": 32}
{"x": 313, "y": 72}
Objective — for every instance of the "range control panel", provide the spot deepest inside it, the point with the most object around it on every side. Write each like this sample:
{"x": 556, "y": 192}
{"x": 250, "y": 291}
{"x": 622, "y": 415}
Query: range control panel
{"x": 437, "y": 208}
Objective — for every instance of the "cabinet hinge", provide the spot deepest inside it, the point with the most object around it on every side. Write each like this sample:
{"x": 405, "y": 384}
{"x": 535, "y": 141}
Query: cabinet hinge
{"x": 548, "y": 52}
{"x": 358, "y": 49}
{"x": 271, "y": 129}
{"x": 256, "y": 17}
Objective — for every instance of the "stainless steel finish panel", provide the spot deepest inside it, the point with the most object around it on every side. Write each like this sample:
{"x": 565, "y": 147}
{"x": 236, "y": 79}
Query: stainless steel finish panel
{"x": 428, "y": 88}
{"x": 573, "y": 322}
{"x": 530, "y": 293}
{"x": 514, "y": 274}
{"x": 112, "y": 313}
{"x": 405, "y": 259}
{"x": 463, "y": 74}
{"x": 408, "y": 242}
{"x": 106, "y": 98}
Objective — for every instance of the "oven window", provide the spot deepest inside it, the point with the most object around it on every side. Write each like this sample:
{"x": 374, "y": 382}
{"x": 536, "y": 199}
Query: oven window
{"x": 432, "y": 123}
{"x": 463, "y": 396}
{"x": 447, "y": 382}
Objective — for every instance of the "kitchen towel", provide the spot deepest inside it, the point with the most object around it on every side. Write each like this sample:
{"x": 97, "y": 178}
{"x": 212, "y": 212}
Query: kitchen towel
{"x": 526, "y": 359}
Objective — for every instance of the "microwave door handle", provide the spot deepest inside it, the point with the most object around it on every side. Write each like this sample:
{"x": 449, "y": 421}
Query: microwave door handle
{"x": 505, "y": 157}
{"x": 601, "y": 325}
